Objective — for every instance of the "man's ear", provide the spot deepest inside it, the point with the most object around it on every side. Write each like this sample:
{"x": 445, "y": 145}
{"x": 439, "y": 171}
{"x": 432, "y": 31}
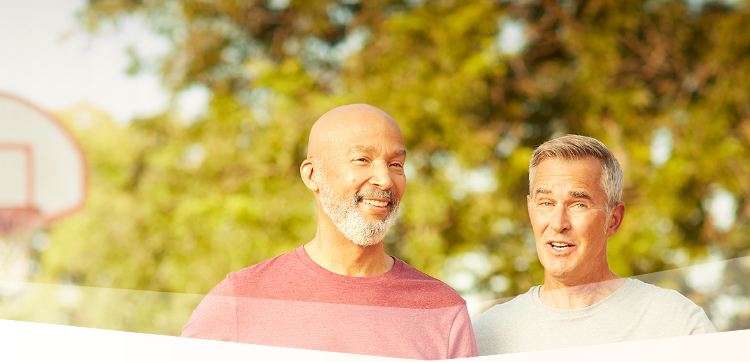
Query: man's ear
{"x": 615, "y": 220}
{"x": 308, "y": 173}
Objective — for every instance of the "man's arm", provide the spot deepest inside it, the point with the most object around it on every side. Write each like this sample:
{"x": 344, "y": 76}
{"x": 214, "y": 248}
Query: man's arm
{"x": 216, "y": 316}
{"x": 698, "y": 322}
{"x": 462, "y": 343}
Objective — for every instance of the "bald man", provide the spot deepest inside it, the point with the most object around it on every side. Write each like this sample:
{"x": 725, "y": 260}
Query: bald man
{"x": 341, "y": 292}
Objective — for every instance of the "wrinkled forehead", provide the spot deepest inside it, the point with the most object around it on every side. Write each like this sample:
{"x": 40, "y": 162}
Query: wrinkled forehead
{"x": 589, "y": 162}
{"x": 583, "y": 172}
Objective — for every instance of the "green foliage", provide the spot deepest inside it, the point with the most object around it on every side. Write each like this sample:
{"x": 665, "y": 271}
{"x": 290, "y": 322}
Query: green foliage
{"x": 175, "y": 206}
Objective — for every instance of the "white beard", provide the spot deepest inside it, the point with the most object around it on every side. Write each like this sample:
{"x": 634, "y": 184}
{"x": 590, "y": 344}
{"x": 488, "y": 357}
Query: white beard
{"x": 349, "y": 219}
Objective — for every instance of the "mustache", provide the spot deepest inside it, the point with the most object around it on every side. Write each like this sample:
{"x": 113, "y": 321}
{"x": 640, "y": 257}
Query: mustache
{"x": 388, "y": 194}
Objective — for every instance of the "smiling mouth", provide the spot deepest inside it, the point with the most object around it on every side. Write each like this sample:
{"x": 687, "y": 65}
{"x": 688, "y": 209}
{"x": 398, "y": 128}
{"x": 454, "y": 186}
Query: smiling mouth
{"x": 375, "y": 202}
{"x": 560, "y": 246}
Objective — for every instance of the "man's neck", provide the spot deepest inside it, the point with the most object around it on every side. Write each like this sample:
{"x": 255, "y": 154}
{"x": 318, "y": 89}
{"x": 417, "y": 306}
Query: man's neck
{"x": 341, "y": 256}
{"x": 580, "y": 294}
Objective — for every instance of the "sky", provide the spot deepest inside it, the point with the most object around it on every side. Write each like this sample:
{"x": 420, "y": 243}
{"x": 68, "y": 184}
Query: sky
{"x": 47, "y": 59}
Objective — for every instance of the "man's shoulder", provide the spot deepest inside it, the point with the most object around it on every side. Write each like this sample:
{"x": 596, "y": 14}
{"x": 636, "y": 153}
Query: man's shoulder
{"x": 429, "y": 292}
{"x": 515, "y": 309}
{"x": 661, "y": 300}
{"x": 658, "y": 296}
{"x": 675, "y": 313}
{"x": 261, "y": 278}
{"x": 280, "y": 263}
{"x": 507, "y": 327}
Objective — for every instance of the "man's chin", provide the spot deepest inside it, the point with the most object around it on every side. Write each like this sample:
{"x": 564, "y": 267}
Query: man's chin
{"x": 376, "y": 219}
{"x": 367, "y": 241}
{"x": 372, "y": 235}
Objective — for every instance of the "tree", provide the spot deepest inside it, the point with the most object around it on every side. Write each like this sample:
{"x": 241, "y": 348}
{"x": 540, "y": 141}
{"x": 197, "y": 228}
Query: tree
{"x": 662, "y": 84}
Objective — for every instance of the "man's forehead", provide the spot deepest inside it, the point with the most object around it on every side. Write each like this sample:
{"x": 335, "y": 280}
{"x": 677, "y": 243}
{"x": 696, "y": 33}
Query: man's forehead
{"x": 570, "y": 161}
{"x": 365, "y": 139}
{"x": 574, "y": 177}
{"x": 562, "y": 166}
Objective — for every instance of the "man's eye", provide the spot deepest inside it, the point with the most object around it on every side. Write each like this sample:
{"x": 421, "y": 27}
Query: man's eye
{"x": 361, "y": 159}
{"x": 397, "y": 165}
{"x": 545, "y": 203}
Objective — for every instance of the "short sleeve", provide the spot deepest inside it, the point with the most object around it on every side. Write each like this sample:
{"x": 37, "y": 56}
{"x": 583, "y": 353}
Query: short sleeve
{"x": 462, "y": 343}
{"x": 699, "y": 322}
{"x": 216, "y": 316}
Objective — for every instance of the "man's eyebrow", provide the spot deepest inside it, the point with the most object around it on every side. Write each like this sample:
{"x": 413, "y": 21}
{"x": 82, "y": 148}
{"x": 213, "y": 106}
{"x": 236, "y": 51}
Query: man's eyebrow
{"x": 580, "y": 195}
{"x": 543, "y": 191}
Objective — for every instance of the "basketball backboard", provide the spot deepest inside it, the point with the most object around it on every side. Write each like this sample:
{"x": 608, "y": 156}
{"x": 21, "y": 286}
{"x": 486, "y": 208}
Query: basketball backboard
{"x": 43, "y": 172}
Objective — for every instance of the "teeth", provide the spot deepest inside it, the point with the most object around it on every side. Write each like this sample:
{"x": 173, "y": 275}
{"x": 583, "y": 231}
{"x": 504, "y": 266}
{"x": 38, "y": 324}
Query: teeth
{"x": 560, "y": 246}
{"x": 375, "y": 202}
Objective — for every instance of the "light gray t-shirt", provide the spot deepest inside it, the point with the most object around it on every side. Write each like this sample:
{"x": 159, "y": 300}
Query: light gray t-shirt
{"x": 635, "y": 311}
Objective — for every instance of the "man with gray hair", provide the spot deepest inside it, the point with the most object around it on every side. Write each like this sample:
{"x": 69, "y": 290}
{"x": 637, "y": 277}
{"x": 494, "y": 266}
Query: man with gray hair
{"x": 341, "y": 292}
{"x": 575, "y": 185}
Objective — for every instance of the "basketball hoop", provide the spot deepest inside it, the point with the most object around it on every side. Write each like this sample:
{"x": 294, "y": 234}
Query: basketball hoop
{"x": 43, "y": 177}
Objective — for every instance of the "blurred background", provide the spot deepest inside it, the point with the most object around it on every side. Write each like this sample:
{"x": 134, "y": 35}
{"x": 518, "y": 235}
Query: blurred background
{"x": 194, "y": 117}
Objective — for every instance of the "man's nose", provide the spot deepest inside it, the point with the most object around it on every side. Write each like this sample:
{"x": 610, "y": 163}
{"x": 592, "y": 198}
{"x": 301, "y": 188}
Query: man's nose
{"x": 381, "y": 176}
{"x": 559, "y": 220}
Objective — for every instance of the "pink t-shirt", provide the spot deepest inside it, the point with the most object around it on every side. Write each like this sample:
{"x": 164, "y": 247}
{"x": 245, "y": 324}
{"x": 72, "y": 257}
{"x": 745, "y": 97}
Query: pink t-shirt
{"x": 290, "y": 301}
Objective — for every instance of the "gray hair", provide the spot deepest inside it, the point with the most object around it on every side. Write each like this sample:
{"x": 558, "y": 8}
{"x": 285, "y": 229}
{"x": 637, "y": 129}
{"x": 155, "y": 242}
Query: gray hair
{"x": 575, "y": 147}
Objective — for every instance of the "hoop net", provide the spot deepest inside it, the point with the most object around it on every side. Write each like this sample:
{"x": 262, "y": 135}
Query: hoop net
{"x": 16, "y": 220}
{"x": 17, "y": 226}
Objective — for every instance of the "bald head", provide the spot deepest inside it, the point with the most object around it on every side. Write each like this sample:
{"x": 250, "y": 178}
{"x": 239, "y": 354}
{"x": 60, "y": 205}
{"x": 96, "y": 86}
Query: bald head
{"x": 339, "y": 126}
